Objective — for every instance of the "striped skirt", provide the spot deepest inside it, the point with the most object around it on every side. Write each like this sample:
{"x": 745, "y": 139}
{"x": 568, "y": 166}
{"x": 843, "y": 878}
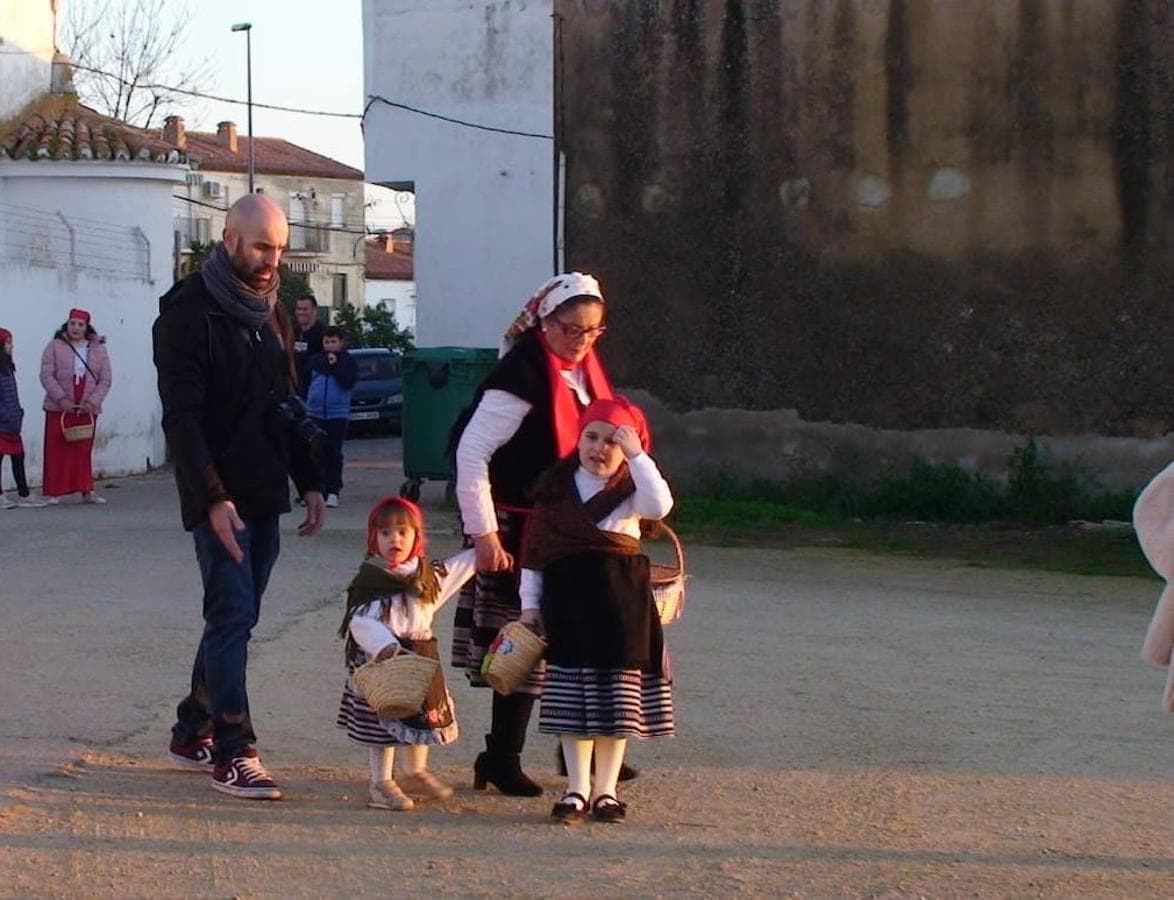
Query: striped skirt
{"x": 488, "y": 601}
{"x": 606, "y": 702}
{"x": 362, "y": 724}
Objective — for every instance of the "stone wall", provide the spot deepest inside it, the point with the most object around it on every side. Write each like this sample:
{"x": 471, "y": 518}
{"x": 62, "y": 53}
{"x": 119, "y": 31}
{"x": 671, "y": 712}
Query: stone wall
{"x": 903, "y": 214}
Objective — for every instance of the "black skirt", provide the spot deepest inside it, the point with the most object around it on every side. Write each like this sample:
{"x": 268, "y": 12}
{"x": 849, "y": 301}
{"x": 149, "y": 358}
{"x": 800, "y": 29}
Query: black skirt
{"x": 607, "y": 671}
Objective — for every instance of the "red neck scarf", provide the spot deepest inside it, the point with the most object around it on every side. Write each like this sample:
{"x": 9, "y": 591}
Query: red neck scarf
{"x": 565, "y": 405}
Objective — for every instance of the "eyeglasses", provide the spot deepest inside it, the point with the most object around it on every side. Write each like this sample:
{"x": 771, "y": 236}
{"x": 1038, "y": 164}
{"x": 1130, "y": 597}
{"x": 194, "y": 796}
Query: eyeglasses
{"x": 574, "y": 332}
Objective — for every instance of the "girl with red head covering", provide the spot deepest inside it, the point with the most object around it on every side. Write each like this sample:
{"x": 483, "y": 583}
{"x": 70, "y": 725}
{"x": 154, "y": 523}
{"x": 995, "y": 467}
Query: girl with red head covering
{"x": 391, "y": 603}
{"x": 75, "y": 372}
{"x": 11, "y": 419}
{"x": 587, "y": 585}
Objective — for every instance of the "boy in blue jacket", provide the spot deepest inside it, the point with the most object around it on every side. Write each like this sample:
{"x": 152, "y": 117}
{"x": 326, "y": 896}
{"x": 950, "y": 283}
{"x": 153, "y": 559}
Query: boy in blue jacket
{"x": 331, "y": 376}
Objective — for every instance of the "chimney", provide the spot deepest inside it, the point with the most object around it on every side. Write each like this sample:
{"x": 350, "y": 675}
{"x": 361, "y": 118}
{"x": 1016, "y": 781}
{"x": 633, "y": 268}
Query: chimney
{"x": 174, "y": 133}
{"x": 226, "y": 135}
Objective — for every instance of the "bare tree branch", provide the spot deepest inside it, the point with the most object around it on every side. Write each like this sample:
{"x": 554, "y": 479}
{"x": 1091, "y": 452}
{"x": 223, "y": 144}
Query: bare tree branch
{"x": 131, "y": 43}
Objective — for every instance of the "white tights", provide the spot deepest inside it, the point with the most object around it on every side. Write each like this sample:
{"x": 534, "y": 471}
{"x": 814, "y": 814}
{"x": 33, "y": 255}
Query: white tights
{"x": 609, "y": 757}
{"x": 383, "y": 761}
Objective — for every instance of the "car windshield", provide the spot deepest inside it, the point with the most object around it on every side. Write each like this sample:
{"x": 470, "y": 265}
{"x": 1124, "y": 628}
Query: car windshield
{"x": 377, "y": 368}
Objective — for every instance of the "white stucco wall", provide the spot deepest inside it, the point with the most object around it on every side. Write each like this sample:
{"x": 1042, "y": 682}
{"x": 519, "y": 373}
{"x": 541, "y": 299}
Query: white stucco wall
{"x": 38, "y": 286}
{"x": 400, "y": 297}
{"x": 484, "y": 201}
{"x": 26, "y": 52}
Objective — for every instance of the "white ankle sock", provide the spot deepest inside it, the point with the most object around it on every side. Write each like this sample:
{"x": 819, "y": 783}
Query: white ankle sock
{"x": 382, "y": 760}
{"x": 577, "y": 752}
{"x": 415, "y": 759}
{"x": 609, "y": 757}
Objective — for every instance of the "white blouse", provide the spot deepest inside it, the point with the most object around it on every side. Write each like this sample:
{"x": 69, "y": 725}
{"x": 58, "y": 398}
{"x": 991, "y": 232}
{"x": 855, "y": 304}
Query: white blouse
{"x": 408, "y": 616}
{"x": 497, "y": 418}
{"x": 651, "y": 500}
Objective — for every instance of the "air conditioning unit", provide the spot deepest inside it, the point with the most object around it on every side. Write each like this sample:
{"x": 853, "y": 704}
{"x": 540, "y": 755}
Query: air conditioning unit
{"x": 195, "y": 178}
{"x": 213, "y": 188}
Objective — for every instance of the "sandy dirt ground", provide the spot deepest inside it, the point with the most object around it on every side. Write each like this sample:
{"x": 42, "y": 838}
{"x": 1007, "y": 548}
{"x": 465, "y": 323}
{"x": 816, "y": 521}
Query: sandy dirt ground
{"x": 849, "y": 726}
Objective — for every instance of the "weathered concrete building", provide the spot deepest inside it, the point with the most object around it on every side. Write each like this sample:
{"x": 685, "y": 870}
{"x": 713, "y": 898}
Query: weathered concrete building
{"x": 938, "y": 219}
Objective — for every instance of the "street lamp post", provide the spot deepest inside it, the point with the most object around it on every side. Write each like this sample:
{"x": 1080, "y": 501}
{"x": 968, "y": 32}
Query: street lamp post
{"x": 247, "y": 28}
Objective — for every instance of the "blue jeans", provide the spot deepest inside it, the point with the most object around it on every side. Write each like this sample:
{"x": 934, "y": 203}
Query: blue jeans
{"x": 218, "y": 704}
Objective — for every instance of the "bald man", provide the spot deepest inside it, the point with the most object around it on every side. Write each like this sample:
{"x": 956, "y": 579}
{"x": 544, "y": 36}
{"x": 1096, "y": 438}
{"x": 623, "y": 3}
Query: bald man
{"x": 225, "y": 371}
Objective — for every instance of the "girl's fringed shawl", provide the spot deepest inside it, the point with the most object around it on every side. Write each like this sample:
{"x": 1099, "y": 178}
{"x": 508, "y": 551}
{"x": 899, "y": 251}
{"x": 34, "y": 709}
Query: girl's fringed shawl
{"x": 375, "y": 582}
{"x": 562, "y": 524}
{"x": 1153, "y": 520}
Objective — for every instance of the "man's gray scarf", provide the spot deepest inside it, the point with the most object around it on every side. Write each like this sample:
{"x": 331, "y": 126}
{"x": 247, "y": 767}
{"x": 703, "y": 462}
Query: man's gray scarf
{"x": 241, "y": 302}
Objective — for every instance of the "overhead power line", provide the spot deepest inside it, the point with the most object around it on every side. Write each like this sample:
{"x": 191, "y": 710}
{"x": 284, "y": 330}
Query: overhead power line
{"x": 341, "y": 229}
{"x": 376, "y": 98}
{"x": 372, "y": 99}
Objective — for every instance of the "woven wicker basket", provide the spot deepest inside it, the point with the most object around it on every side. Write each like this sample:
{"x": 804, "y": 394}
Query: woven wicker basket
{"x": 79, "y": 431}
{"x": 668, "y": 582}
{"x": 512, "y": 657}
{"x": 395, "y": 687}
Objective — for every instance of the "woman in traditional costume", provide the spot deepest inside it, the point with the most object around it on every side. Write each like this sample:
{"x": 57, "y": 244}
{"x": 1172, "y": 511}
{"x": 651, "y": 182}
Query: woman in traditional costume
{"x": 524, "y": 417}
{"x": 75, "y": 372}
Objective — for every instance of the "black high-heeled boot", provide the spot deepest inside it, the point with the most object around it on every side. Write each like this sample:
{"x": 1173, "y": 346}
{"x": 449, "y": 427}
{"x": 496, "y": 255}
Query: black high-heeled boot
{"x": 500, "y": 764}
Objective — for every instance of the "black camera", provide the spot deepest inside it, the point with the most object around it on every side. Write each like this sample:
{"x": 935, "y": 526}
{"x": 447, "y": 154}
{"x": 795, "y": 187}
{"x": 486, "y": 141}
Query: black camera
{"x": 293, "y": 409}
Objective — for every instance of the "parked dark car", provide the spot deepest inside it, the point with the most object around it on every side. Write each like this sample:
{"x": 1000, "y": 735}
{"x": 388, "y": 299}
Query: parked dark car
{"x": 377, "y": 400}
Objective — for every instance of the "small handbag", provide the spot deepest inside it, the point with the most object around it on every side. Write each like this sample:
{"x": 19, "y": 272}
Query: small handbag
{"x": 78, "y": 431}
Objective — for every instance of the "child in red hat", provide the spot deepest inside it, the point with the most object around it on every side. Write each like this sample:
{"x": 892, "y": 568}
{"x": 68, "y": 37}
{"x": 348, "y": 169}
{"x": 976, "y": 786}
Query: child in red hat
{"x": 391, "y": 603}
{"x": 11, "y": 419}
{"x": 586, "y": 584}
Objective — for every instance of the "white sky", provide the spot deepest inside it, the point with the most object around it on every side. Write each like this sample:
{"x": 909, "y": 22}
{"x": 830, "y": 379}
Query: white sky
{"x": 306, "y": 54}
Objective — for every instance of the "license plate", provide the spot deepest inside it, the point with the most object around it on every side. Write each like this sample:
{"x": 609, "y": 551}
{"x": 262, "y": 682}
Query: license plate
{"x": 364, "y": 416}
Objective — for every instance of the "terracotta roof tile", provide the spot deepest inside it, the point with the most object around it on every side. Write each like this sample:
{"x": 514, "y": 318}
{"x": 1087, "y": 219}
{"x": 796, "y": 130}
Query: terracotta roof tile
{"x": 384, "y": 266}
{"x": 61, "y": 130}
{"x": 273, "y": 156}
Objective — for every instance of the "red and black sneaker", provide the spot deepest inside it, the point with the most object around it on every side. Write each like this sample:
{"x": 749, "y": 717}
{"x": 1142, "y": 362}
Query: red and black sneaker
{"x": 197, "y": 755}
{"x": 244, "y": 776}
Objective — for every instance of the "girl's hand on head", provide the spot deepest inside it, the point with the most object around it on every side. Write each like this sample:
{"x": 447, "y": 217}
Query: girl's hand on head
{"x": 628, "y": 441}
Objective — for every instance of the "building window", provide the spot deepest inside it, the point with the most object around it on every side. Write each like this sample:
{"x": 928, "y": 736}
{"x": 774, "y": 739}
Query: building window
{"x": 339, "y": 298}
{"x": 192, "y": 231}
{"x": 336, "y": 205}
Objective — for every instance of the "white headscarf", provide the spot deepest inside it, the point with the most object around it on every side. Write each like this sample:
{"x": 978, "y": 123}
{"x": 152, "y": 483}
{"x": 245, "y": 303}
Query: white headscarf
{"x": 549, "y": 297}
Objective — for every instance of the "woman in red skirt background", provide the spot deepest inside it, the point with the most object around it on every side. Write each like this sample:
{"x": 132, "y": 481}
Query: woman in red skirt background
{"x": 75, "y": 372}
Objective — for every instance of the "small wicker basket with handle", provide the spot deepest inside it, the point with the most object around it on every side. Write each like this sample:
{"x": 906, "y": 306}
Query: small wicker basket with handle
{"x": 395, "y": 687}
{"x": 512, "y": 657}
{"x": 80, "y": 430}
{"x": 668, "y": 581}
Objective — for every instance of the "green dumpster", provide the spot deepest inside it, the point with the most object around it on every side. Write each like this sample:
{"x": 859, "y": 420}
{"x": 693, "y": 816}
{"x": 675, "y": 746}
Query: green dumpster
{"x": 439, "y": 382}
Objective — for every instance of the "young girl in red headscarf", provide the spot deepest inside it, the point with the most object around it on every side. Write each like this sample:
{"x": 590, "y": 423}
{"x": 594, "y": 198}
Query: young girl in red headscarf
{"x": 587, "y": 585}
{"x": 391, "y": 603}
{"x": 11, "y": 418}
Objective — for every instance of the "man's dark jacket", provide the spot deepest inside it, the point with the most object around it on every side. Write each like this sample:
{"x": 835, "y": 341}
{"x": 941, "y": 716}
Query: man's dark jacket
{"x": 220, "y": 384}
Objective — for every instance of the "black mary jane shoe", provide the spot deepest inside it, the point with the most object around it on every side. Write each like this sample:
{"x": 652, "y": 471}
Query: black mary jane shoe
{"x": 607, "y": 808}
{"x": 568, "y": 811}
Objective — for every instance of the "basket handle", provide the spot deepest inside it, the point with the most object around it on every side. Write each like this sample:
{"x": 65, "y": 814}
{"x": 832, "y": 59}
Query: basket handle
{"x": 676, "y": 546}
{"x": 654, "y": 529}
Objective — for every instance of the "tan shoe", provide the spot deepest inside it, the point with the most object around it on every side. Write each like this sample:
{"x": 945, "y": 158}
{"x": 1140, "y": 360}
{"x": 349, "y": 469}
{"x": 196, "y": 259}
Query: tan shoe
{"x": 387, "y": 795}
{"x": 426, "y": 786}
